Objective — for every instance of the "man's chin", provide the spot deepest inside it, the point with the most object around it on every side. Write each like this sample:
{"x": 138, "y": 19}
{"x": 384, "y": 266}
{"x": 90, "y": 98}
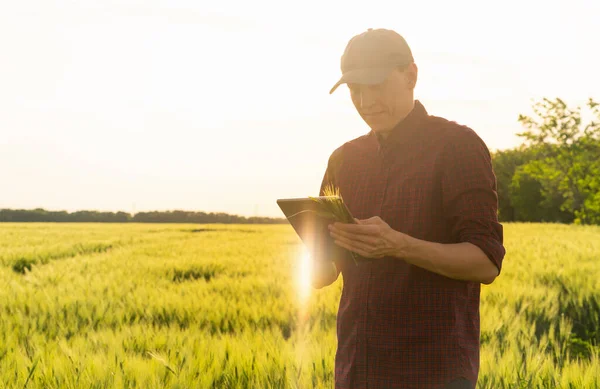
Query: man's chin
{"x": 378, "y": 126}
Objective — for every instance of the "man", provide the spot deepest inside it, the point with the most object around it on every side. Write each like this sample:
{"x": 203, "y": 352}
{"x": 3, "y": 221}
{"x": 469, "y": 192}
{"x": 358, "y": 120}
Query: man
{"x": 424, "y": 195}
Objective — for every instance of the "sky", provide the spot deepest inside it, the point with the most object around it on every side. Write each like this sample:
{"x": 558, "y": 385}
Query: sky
{"x": 224, "y": 106}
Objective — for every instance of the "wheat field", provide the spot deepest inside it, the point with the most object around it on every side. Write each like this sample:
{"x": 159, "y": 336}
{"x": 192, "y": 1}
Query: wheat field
{"x": 228, "y": 306}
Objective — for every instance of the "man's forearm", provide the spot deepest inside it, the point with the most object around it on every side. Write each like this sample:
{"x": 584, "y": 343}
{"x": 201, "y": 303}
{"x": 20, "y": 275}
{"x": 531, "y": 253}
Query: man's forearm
{"x": 463, "y": 261}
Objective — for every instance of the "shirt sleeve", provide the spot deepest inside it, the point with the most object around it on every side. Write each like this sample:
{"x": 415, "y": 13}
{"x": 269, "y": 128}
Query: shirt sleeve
{"x": 470, "y": 197}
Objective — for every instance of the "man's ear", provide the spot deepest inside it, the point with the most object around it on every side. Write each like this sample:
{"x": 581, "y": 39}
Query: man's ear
{"x": 411, "y": 74}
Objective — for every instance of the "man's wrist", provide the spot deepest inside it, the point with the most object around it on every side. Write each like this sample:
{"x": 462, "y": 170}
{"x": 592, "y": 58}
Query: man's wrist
{"x": 405, "y": 246}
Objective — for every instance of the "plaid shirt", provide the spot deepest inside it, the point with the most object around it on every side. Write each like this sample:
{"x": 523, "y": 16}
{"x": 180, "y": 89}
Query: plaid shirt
{"x": 401, "y": 326}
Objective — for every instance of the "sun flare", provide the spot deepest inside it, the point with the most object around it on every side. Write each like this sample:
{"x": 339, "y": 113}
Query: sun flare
{"x": 303, "y": 278}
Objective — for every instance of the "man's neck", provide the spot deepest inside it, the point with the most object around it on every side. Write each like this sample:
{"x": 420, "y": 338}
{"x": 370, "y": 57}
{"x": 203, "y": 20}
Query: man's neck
{"x": 384, "y": 134}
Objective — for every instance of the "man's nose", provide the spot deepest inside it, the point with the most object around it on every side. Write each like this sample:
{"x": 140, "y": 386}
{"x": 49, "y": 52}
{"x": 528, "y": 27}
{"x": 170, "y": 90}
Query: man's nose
{"x": 367, "y": 98}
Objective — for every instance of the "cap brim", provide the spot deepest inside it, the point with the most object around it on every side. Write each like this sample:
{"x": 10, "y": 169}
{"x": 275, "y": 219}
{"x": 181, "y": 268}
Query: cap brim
{"x": 369, "y": 76}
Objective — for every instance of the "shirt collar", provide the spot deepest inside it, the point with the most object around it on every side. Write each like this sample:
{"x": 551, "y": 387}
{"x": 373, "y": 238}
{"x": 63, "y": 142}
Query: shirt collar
{"x": 406, "y": 127}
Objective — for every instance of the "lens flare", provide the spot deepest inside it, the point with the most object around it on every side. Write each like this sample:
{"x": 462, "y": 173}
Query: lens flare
{"x": 303, "y": 279}
{"x": 304, "y": 287}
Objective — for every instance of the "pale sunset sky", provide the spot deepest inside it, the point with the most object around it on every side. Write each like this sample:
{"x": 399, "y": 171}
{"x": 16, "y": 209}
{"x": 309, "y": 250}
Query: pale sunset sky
{"x": 224, "y": 106}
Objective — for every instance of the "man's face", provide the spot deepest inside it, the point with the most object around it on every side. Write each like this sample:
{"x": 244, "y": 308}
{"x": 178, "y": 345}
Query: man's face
{"x": 382, "y": 106}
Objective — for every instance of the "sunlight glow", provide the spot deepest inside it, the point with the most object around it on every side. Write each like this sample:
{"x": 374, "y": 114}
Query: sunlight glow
{"x": 125, "y": 106}
{"x": 303, "y": 279}
{"x": 303, "y": 283}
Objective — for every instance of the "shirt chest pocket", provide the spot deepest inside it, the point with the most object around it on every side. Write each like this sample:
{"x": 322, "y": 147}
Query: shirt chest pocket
{"x": 411, "y": 203}
{"x": 363, "y": 189}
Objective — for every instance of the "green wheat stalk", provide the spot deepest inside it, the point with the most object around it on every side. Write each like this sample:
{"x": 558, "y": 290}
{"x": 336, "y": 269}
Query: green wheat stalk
{"x": 333, "y": 204}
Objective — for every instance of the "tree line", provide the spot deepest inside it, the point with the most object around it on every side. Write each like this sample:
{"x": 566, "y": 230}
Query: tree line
{"x": 42, "y": 215}
{"x": 553, "y": 176}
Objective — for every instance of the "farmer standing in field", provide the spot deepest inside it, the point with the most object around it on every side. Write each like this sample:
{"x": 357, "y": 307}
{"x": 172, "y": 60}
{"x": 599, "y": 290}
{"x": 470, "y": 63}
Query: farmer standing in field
{"x": 424, "y": 193}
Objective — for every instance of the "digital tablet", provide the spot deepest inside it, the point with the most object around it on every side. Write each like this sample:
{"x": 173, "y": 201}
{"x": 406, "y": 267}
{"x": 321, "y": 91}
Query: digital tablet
{"x": 310, "y": 218}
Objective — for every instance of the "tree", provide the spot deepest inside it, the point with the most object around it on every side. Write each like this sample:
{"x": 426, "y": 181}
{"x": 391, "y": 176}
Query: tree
{"x": 506, "y": 164}
{"x": 566, "y": 162}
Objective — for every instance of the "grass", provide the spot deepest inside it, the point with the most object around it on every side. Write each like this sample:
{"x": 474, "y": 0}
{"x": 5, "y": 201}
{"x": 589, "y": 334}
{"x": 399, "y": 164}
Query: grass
{"x": 213, "y": 306}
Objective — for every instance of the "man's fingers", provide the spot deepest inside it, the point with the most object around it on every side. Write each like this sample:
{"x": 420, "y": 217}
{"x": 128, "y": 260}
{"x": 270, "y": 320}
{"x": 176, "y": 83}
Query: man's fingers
{"x": 371, "y": 240}
{"x": 352, "y": 248}
{"x": 358, "y": 229}
{"x": 372, "y": 220}
{"x": 364, "y": 249}
{"x": 354, "y": 243}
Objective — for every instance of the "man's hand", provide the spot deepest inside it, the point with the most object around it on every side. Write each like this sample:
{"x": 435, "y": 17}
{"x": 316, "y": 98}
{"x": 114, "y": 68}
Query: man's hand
{"x": 370, "y": 238}
{"x": 374, "y": 238}
{"x": 323, "y": 274}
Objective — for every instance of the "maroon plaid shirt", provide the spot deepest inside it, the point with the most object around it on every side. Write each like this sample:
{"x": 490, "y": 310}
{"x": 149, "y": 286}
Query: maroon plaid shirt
{"x": 398, "y": 325}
